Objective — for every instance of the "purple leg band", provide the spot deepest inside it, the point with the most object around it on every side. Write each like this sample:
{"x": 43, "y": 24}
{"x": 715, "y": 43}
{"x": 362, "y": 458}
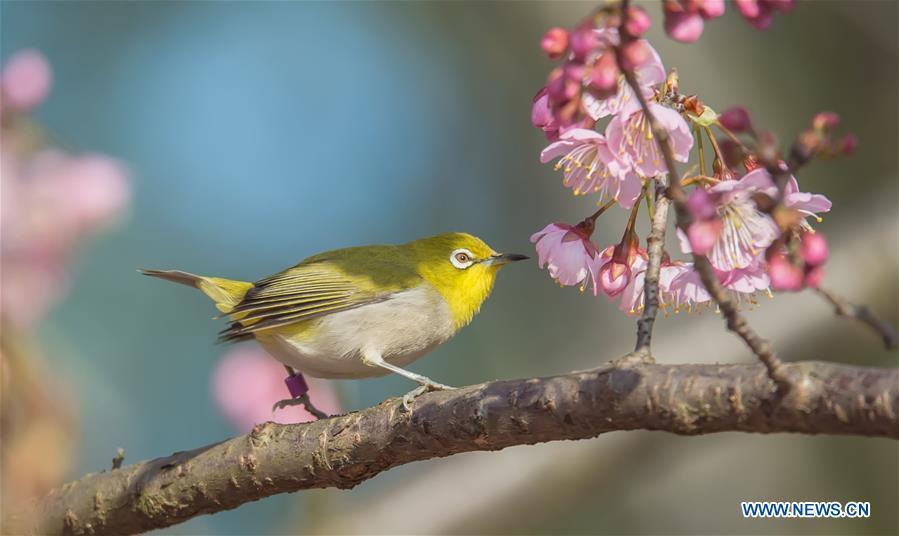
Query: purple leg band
{"x": 296, "y": 385}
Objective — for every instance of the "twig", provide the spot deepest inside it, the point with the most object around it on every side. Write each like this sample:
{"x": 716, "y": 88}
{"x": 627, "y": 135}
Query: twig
{"x": 118, "y": 458}
{"x": 343, "y": 451}
{"x": 655, "y": 248}
{"x": 864, "y": 315}
{"x": 735, "y": 321}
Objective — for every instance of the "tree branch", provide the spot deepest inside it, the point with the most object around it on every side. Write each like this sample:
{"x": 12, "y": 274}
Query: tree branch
{"x": 864, "y": 315}
{"x": 655, "y": 248}
{"x": 735, "y": 321}
{"x": 343, "y": 451}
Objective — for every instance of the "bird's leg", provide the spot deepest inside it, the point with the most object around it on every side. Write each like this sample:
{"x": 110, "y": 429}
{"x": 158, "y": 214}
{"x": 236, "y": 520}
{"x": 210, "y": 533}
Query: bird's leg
{"x": 299, "y": 392}
{"x": 426, "y": 384}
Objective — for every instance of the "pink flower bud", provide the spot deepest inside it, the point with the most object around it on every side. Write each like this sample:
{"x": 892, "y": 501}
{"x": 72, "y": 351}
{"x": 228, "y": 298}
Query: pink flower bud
{"x": 682, "y": 26}
{"x": 700, "y": 205}
{"x": 604, "y": 76}
{"x": 825, "y": 121}
{"x": 784, "y": 275}
{"x": 555, "y": 42}
{"x": 736, "y": 119}
{"x": 583, "y": 41}
{"x": 814, "y": 249}
{"x": 750, "y": 9}
{"x": 814, "y": 277}
{"x": 638, "y": 21}
{"x": 710, "y": 9}
{"x": 26, "y": 79}
{"x": 541, "y": 114}
{"x": 847, "y": 144}
{"x": 781, "y": 5}
{"x": 635, "y": 54}
{"x": 703, "y": 235}
{"x": 614, "y": 277}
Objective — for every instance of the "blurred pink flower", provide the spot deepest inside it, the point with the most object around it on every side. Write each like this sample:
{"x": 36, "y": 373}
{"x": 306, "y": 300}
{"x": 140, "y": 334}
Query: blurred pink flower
{"x": 814, "y": 249}
{"x": 684, "y": 26}
{"x": 590, "y": 167}
{"x": 638, "y": 21}
{"x": 760, "y": 13}
{"x": 684, "y": 19}
{"x": 649, "y": 73}
{"x": 569, "y": 255}
{"x": 630, "y": 136}
{"x": 247, "y": 382}
{"x": 555, "y": 42}
{"x": 25, "y": 80}
{"x": 50, "y": 202}
{"x": 785, "y": 276}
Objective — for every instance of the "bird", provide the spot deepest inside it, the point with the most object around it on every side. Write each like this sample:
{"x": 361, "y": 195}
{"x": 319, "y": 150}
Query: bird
{"x": 358, "y": 312}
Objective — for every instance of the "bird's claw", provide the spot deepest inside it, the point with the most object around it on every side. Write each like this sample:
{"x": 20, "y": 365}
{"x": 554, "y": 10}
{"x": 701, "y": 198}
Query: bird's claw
{"x": 409, "y": 397}
{"x": 302, "y": 400}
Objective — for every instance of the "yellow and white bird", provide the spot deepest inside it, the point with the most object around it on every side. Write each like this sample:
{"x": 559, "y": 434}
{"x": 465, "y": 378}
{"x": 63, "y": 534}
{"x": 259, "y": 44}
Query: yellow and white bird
{"x": 359, "y": 312}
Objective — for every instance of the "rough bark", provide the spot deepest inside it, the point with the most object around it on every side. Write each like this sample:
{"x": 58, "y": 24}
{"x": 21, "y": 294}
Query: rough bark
{"x": 343, "y": 451}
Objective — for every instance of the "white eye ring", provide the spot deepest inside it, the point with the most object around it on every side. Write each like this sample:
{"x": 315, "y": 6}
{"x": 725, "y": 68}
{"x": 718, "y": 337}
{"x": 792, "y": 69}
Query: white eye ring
{"x": 461, "y": 258}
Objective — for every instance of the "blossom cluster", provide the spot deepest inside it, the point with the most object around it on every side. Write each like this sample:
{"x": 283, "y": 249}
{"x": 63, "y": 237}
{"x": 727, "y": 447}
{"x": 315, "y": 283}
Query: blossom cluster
{"x": 52, "y": 200}
{"x": 755, "y": 233}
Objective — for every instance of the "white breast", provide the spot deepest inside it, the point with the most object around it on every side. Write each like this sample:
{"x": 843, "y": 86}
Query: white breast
{"x": 402, "y": 328}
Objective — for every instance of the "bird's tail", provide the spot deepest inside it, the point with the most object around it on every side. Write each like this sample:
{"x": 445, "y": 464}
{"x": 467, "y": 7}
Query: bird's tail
{"x": 226, "y": 293}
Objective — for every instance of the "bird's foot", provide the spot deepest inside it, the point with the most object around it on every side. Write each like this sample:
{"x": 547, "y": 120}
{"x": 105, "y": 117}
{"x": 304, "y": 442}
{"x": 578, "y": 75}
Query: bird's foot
{"x": 409, "y": 397}
{"x": 302, "y": 400}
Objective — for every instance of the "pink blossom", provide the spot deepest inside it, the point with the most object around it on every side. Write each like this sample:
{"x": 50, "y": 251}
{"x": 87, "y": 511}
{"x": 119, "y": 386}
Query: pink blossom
{"x": 814, "y": 249}
{"x": 684, "y": 26}
{"x": 604, "y": 76}
{"x": 814, "y": 277}
{"x": 590, "y": 167}
{"x": 632, "y": 299}
{"x": 629, "y": 135}
{"x": 760, "y": 13}
{"x": 247, "y": 382}
{"x": 569, "y": 255}
{"x": 804, "y": 202}
{"x": 26, "y": 79}
{"x": 684, "y": 18}
{"x": 680, "y": 287}
{"x": 736, "y": 119}
{"x": 746, "y": 231}
{"x": 785, "y": 276}
{"x": 619, "y": 264}
{"x": 555, "y": 42}
{"x": 638, "y": 21}
{"x": 706, "y": 227}
{"x": 649, "y": 73}
{"x": 50, "y": 202}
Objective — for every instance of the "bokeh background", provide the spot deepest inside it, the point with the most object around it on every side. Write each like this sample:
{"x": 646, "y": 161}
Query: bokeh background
{"x": 256, "y": 134}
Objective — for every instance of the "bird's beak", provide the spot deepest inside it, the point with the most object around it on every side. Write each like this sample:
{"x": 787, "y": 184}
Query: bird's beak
{"x": 505, "y": 258}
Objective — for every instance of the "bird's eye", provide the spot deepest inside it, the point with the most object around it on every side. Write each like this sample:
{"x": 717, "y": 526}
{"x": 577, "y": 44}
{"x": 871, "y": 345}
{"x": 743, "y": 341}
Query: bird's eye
{"x": 462, "y": 258}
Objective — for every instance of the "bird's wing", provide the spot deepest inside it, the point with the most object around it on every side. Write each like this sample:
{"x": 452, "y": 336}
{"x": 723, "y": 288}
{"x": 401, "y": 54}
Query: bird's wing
{"x": 314, "y": 288}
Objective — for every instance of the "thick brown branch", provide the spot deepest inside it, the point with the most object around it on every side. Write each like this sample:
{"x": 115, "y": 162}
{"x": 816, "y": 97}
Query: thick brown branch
{"x": 864, "y": 315}
{"x": 343, "y": 451}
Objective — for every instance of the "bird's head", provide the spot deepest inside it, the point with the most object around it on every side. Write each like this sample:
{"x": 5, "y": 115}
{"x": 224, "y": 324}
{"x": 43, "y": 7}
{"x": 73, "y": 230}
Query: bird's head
{"x": 462, "y": 267}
